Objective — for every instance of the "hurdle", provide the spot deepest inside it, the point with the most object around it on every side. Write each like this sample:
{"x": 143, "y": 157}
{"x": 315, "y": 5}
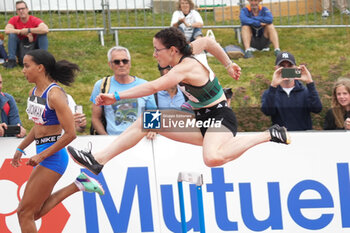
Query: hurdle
{"x": 197, "y": 179}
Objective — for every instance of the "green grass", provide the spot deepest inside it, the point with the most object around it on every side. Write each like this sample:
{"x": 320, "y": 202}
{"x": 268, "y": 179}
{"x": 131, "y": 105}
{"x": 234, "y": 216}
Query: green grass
{"x": 325, "y": 51}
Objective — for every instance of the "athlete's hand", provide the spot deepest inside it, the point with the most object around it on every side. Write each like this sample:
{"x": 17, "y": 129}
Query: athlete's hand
{"x": 234, "y": 71}
{"x": 105, "y": 99}
{"x": 35, "y": 160}
{"x": 16, "y": 161}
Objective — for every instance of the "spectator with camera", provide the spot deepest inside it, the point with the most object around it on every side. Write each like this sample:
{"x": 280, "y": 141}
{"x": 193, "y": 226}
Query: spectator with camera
{"x": 258, "y": 30}
{"x": 120, "y": 115}
{"x": 10, "y": 123}
{"x": 78, "y": 114}
{"x": 338, "y": 117}
{"x": 25, "y": 32}
{"x": 287, "y": 101}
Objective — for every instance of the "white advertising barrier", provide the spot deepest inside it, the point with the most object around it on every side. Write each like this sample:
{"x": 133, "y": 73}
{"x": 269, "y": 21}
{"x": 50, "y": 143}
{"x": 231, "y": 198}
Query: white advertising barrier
{"x": 302, "y": 187}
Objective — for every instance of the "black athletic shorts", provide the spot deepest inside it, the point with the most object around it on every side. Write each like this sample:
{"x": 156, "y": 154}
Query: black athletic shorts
{"x": 220, "y": 112}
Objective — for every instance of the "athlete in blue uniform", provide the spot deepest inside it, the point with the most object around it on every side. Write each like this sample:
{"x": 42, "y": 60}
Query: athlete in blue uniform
{"x": 47, "y": 106}
{"x": 205, "y": 95}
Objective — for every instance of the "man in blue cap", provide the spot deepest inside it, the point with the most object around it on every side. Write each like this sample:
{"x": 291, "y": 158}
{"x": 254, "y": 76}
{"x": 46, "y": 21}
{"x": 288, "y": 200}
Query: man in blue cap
{"x": 287, "y": 101}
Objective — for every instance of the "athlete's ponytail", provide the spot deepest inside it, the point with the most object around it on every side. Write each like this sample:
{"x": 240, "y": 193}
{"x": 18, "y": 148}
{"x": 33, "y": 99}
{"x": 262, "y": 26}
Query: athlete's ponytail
{"x": 174, "y": 37}
{"x": 62, "y": 71}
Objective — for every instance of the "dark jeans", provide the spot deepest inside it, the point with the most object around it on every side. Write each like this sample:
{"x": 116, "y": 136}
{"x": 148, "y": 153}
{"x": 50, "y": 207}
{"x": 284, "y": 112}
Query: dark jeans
{"x": 196, "y": 32}
{"x": 3, "y": 53}
{"x": 41, "y": 42}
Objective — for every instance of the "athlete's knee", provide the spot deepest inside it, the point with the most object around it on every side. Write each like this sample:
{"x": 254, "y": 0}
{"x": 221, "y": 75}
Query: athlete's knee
{"x": 37, "y": 216}
{"x": 24, "y": 213}
{"x": 213, "y": 161}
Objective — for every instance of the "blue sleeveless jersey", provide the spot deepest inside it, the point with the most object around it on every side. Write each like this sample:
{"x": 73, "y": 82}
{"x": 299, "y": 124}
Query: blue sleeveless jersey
{"x": 38, "y": 108}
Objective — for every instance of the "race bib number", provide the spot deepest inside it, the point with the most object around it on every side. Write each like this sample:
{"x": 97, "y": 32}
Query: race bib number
{"x": 36, "y": 109}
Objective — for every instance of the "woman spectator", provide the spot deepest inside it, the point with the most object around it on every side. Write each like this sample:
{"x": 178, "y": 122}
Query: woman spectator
{"x": 338, "y": 117}
{"x": 188, "y": 20}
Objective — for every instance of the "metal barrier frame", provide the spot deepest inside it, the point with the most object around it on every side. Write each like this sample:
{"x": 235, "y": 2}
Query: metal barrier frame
{"x": 236, "y": 28}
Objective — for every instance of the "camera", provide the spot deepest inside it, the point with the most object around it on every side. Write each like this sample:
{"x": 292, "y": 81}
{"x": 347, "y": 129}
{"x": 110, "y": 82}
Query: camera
{"x": 12, "y": 130}
{"x": 78, "y": 109}
{"x": 291, "y": 73}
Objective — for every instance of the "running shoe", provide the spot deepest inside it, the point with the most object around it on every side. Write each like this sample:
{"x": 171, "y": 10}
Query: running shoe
{"x": 276, "y": 51}
{"x": 279, "y": 134}
{"x": 248, "y": 54}
{"x": 88, "y": 184}
{"x": 85, "y": 159}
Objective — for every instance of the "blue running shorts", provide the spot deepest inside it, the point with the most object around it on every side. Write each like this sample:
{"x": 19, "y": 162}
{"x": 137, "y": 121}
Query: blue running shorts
{"x": 57, "y": 162}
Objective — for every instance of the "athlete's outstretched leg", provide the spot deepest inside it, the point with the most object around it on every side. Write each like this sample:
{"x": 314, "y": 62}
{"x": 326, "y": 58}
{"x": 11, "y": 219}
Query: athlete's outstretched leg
{"x": 37, "y": 191}
{"x": 129, "y": 138}
{"x": 221, "y": 147}
{"x": 82, "y": 183}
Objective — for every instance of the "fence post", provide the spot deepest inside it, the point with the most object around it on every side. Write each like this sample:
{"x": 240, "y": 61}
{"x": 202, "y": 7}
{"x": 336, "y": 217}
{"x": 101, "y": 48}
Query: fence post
{"x": 116, "y": 38}
{"x": 104, "y": 16}
{"x": 102, "y": 39}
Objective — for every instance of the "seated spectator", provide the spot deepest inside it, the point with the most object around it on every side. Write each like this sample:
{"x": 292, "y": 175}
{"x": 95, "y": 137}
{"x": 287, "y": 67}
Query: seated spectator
{"x": 287, "y": 101}
{"x": 338, "y": 117}
{"x": 9, "y": 113}
{"x": 257, "y": 29}
{"x": 24, "y": 27}
{"x": 188, "y": 20}
{"x": 3, "y": 54}
{"x": 78, "y": 114}
{"x": 343, "y": 5}
{"x": 120, "y": 115}
{"x": 170, "y": 98}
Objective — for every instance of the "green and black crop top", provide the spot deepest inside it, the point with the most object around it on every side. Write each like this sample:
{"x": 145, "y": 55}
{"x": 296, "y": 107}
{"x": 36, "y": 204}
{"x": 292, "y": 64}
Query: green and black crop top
{"x": 202, "y": 96}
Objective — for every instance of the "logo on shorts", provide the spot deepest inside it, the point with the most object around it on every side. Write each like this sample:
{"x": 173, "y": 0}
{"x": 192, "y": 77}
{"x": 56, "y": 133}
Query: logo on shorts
{"x": 152, "y": 119}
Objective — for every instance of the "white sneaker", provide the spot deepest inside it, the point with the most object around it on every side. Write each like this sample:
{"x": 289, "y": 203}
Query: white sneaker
{"x": 325, "y": 14}
{"x": 265, "y": 49}
{"x": 252, "y": 49}
{"x": 345, "y": 12}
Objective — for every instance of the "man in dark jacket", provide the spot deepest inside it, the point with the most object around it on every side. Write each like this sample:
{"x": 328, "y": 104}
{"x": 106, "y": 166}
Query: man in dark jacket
{"x": 288, "y": 101}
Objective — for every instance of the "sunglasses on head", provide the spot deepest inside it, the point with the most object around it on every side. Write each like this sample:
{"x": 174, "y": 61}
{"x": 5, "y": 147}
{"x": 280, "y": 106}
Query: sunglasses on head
{"x": 117, "y": 61}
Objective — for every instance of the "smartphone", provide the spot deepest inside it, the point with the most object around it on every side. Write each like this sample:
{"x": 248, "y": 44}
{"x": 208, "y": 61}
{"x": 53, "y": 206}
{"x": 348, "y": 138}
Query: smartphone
{"x": 291, "y": 73}
{"x": 78, "y": 109}
{"x": 12, "y": 130}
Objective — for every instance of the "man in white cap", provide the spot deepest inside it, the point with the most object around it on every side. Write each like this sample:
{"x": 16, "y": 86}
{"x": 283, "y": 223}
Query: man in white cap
{"x": 287, "y": 101}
